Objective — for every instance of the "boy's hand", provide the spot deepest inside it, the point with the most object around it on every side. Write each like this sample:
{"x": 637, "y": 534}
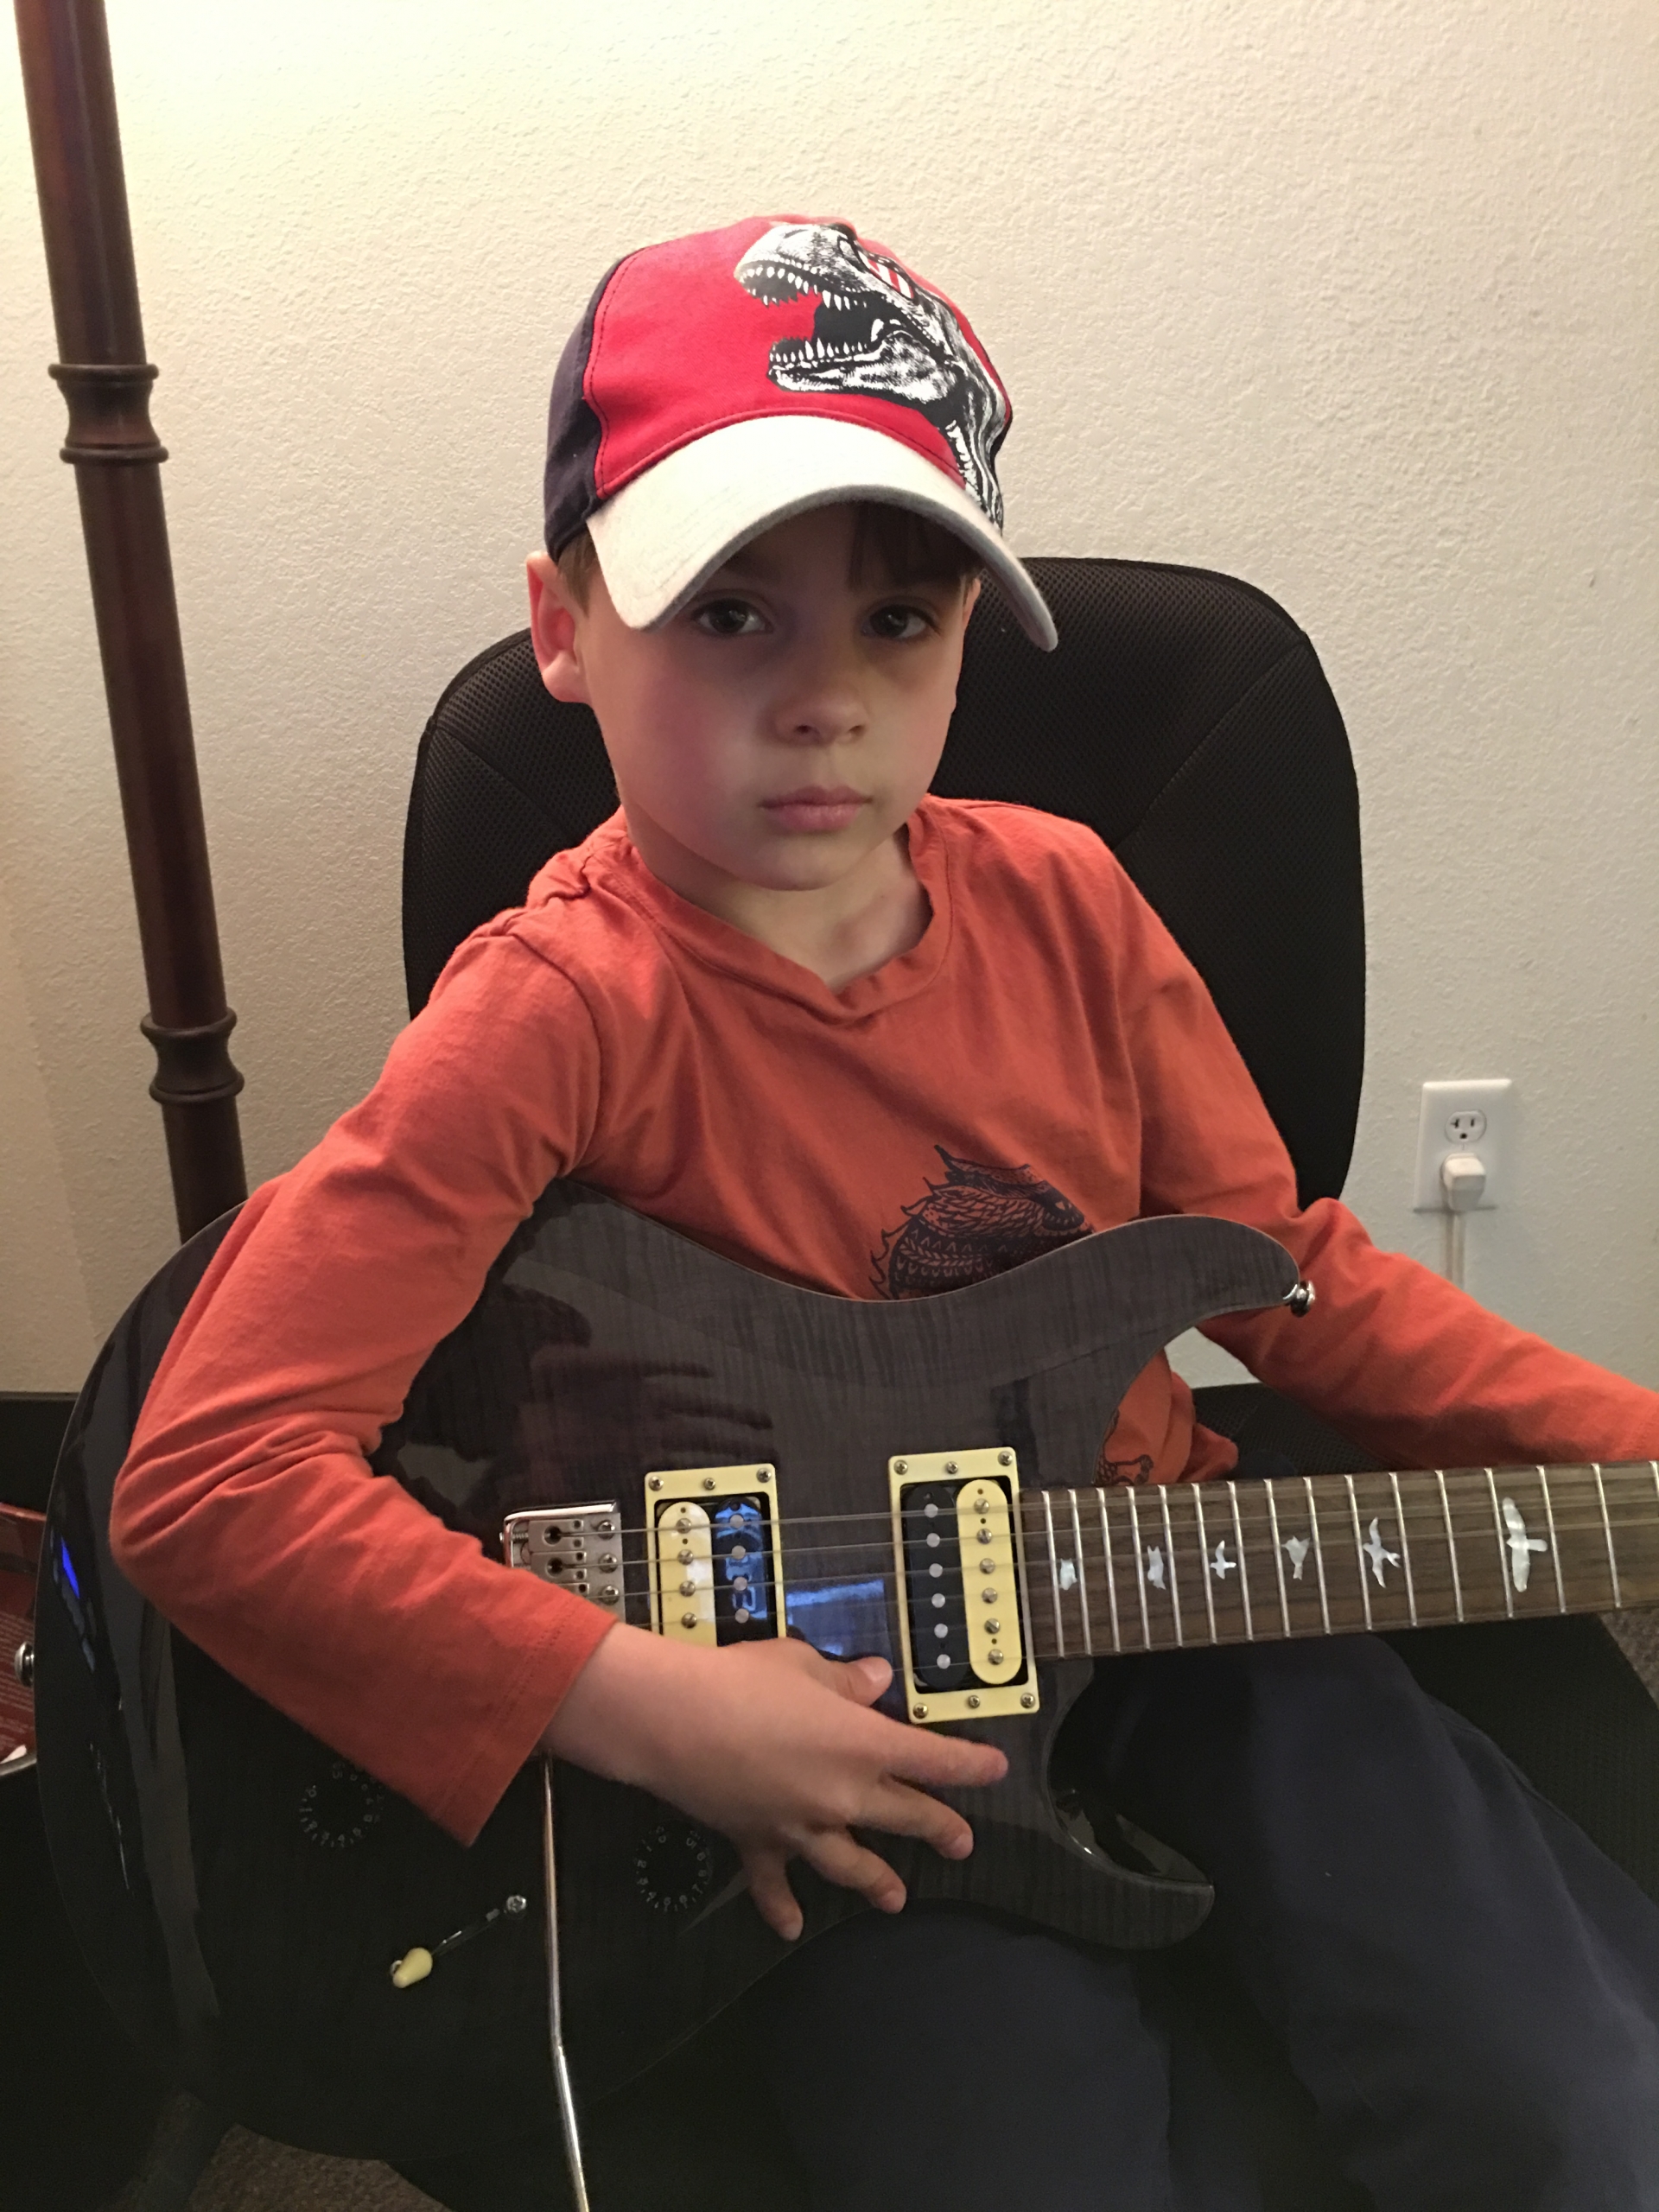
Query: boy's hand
{"x": 772, "y": 1745}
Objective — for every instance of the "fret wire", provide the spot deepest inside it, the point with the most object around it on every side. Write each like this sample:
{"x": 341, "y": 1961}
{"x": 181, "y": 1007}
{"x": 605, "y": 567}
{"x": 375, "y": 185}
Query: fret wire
{"x": 1174, "y": 1585}
{"x": 1204, "y": 1560}
{"x": 1278, "y": 1557}
{"x": 1021, "y": 1571}
{"x": 1451, "y": 1542}
{"x": 1244, "y": 1556}
{"x": 1359, "y": 1549}
{"x": 1607, "y": 1527}
{"x": 1555, "y": 1548}
{"x": 1054, "y": 1580}
{"x": 1405, "y": 1547}
{"x": 1111, "y": 1573}
{"x": 1140, "y": 1570}
{"x": 1319, "y": 1551}
{"x": 1082, "y": 1579}
{"x": 1502, "y": 1552}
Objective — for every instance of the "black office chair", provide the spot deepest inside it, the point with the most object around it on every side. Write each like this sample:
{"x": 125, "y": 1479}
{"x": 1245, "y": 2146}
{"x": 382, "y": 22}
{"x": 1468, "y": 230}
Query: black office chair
{"x": 1186, "y": 718}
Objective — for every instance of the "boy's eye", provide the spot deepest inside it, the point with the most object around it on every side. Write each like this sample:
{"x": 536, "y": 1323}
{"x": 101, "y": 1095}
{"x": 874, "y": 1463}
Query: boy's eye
{"x": 728, "y": 617}
{"x": 898, "y": 625}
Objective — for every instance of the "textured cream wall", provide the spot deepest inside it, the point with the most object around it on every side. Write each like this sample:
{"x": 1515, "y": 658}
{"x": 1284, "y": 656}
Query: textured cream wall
{"x": 1353, "y": 297}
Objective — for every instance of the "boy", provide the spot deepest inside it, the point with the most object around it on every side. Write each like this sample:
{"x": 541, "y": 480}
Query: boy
{"x": 751, "y": 1006}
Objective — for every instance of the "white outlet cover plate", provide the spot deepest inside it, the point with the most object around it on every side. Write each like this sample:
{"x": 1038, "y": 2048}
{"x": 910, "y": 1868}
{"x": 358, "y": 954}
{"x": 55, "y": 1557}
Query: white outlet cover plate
{"x": 1485, "y": 1102}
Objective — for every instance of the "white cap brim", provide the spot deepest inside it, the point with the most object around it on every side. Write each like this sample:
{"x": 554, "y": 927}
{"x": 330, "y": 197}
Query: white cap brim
{"x": 662, "y": 537}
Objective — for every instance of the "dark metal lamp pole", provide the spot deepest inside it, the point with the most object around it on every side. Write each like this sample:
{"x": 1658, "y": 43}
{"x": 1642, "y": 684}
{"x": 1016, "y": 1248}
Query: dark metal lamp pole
{"x": 117, "y": 458}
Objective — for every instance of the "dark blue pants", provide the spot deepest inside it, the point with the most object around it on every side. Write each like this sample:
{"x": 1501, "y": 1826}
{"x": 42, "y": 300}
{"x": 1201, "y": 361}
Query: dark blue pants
{"x": 1467, "y": 1988}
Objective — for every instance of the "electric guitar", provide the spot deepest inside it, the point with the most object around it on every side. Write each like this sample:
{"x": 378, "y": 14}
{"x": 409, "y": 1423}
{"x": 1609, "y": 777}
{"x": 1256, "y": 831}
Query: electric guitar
{"x": 717, "y": 1456}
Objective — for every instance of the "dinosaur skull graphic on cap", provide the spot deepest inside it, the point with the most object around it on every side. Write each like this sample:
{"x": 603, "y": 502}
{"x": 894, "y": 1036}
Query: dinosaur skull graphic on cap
{"x": 878, "y": 331}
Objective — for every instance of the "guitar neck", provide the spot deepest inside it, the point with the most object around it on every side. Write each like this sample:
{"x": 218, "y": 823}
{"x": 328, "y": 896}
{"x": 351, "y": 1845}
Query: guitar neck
{"x": 1189, "y": 1564}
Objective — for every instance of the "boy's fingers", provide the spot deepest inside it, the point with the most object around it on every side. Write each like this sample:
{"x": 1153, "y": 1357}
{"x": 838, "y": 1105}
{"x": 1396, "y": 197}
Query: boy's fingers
{"x": 946, "y": 1762}
{"x": 862, "y": 1680}
{"x": 898, "y": 1809}
{"x": 773, "y": 1898}
{"x": 833, "y": 1853}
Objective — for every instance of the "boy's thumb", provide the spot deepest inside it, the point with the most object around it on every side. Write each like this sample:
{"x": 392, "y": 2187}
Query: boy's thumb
{"x": 864, "y": 1679}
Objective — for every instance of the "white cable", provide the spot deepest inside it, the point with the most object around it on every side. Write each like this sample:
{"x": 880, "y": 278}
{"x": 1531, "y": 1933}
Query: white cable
{"x": 1463, "y": 1179}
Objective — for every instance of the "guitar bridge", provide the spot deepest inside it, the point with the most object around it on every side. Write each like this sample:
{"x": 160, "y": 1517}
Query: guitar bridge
{"x": 577, "y": 1547}
{"x": 957, "y": 1538}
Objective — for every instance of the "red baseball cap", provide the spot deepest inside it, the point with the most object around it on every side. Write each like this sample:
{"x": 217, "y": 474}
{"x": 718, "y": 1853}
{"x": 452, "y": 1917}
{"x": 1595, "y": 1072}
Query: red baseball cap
{"x": 722, "y": 382}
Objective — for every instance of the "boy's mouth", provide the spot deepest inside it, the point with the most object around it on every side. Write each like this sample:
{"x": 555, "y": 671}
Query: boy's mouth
{"x": 816, "y": 807}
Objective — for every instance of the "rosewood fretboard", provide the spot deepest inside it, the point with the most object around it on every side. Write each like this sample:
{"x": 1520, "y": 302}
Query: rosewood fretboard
{"x": 1231, "y": 1562}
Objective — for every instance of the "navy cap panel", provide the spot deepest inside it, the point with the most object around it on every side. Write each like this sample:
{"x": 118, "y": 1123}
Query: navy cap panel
{"x": 568, "y": 495}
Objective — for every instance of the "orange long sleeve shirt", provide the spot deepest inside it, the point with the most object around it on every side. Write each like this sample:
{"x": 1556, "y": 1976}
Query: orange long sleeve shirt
{"x": 1045, "y": 1060}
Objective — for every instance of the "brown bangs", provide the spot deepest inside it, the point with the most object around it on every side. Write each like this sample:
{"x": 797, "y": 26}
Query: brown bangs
{"x": 895, "y": 545}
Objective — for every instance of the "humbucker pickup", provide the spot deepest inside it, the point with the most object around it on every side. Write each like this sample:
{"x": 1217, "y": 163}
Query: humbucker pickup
{"x": 716, "y": 1561}
{"x": 955, "y": 1527}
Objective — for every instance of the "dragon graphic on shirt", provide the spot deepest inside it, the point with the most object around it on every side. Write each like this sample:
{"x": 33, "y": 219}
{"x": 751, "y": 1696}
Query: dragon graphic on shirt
{"x": 979, "y": 1222}
{"x": 877, "y": 331}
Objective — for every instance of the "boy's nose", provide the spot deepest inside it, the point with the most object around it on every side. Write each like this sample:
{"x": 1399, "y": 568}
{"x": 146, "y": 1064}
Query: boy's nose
{"x": 823, "y": 703}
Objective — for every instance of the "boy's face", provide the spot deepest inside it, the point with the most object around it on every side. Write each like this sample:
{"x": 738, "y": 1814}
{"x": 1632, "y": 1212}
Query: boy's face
{"x": 778, "y": 730}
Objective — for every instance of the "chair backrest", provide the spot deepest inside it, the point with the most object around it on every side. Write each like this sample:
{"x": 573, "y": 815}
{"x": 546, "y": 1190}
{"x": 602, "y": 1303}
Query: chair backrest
{"x": 1184, "y": 718}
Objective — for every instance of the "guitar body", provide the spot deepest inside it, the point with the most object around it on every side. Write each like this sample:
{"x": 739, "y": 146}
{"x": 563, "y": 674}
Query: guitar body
{"x": 241, "y": 1893}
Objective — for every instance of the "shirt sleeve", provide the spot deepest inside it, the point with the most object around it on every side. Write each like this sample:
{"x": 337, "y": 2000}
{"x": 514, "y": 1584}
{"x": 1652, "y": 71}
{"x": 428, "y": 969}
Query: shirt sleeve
{"x": 1392, "y": 1355}
{"x": 246, "y": 1511}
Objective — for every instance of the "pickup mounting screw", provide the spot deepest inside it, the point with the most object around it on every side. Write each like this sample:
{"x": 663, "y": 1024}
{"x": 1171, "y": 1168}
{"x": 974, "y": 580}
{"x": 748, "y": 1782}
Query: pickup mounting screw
{"x": 653, "y": 1482}
{"x": 901, "y": 1466}
{"x": 763, "y": 1474}
{"x": 1029, "y": 1698}
{"x": 708, "y": 1482}
{"x": 1005, "y": 1459}
{"x": 919, "y": 1712}
{"x": 972, "y": 1701}
{"x": 949, "y": 1466}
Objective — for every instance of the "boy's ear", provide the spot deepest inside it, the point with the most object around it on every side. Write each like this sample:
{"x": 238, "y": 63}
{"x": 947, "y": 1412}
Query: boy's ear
{"x": 553, "y": 630}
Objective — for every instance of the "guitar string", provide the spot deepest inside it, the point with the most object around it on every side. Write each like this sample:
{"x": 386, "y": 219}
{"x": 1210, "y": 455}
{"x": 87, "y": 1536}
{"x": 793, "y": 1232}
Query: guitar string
{"x": 1096, "y": 1566}
{"x": 1095, "y": 1562}
{"x": 1478, "y": 1533}
{"x": 1247, "y": 1497}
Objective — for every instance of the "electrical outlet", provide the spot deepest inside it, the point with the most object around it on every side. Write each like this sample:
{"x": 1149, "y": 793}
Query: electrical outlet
{"x": 1473, "y": 1117}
